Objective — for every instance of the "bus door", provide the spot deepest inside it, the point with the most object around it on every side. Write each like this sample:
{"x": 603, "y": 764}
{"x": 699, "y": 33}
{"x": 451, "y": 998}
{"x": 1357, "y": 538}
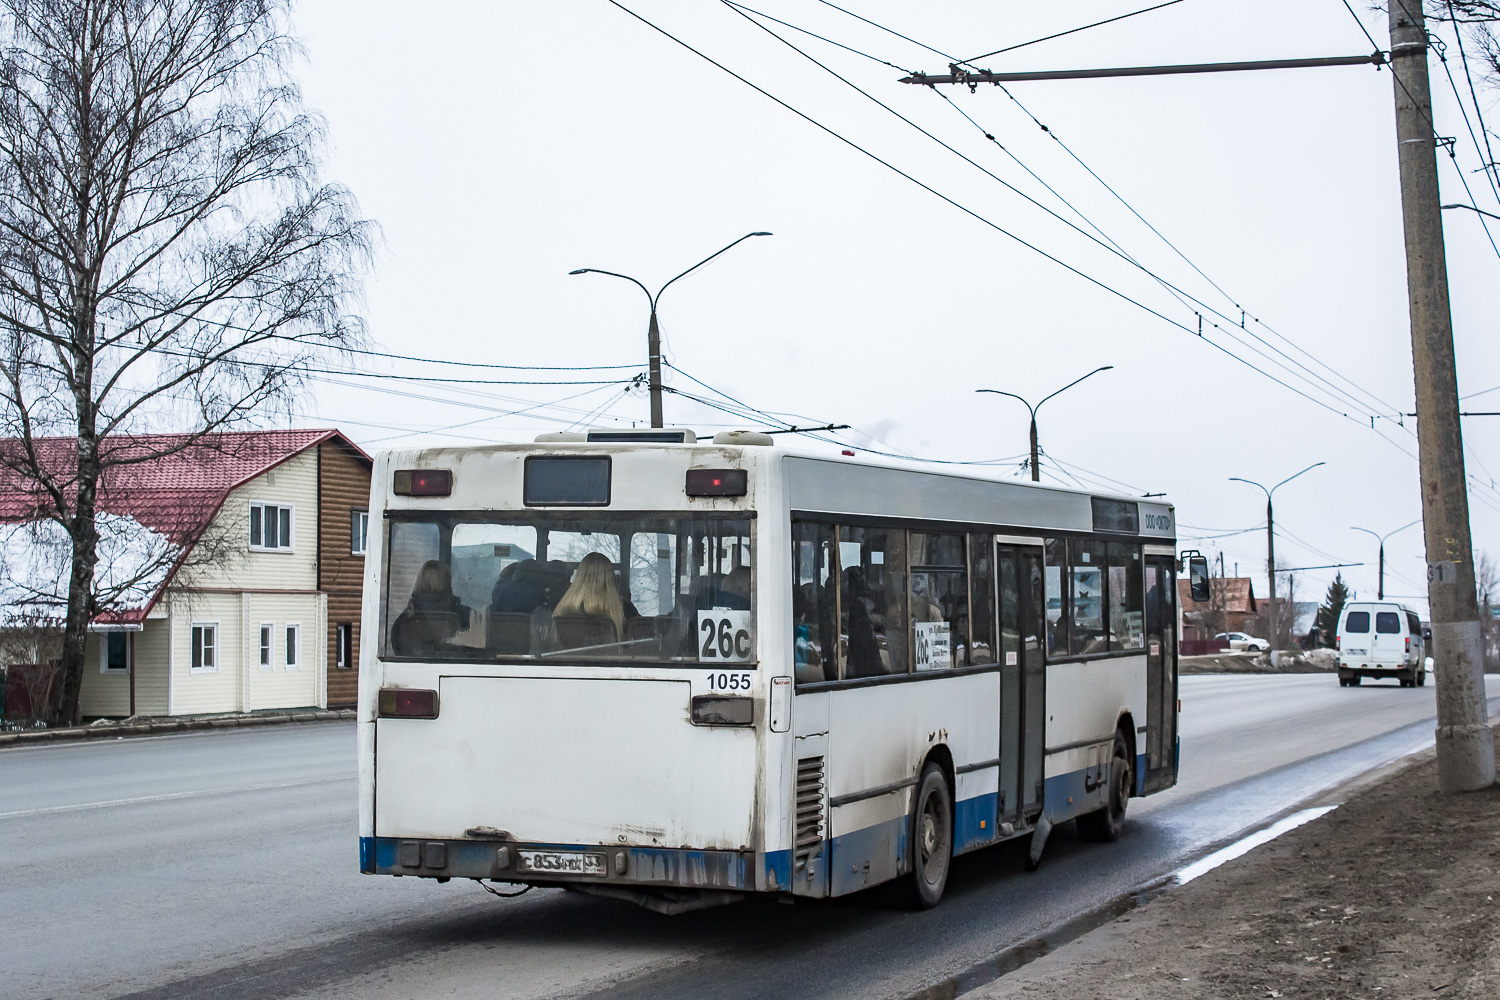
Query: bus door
{"x": 1022, "y": 681}
{"x": 1161, "y": 672}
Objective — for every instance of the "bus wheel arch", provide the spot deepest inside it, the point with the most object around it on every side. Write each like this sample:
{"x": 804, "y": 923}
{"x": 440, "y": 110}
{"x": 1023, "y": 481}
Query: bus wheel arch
{"x": 1126, "y": 728}
{"x": 930, "y": 838}
{"x": 1104, "y": 824}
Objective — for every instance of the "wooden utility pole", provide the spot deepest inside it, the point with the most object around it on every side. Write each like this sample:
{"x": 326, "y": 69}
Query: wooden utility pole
{"x": 1465, "y": 745}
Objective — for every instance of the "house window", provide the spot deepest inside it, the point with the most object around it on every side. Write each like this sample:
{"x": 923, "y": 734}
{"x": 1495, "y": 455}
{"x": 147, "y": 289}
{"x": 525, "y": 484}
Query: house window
{"x": 359, "y": 530}
{"x": 205, "y": 647}
{"x": 294, "y": 647}
{"x": 343, "y": 644}
{"x": 114, "y": 653}
{"x": 266, "y": 628}
{"x": 270, "y": 527}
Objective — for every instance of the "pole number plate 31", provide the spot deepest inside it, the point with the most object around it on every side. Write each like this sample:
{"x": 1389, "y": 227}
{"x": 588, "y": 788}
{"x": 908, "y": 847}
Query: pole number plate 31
{"x": 724, "y": 636}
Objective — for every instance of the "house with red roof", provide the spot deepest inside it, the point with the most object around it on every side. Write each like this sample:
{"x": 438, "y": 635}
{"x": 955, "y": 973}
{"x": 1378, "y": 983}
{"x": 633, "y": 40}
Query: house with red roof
{"x": 235, "y": 564}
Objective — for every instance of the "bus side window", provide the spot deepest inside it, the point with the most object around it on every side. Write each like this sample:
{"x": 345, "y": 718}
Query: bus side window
{"x": 982, "y": 596}
{"x": 1057, "y": 608}
{"x": 872, "y": 601}
{"x": 1126, "y": 618}
{"x": 939, "y": 595}
{"x": 813, "y": 603}
{"x": 1087, "y": 597}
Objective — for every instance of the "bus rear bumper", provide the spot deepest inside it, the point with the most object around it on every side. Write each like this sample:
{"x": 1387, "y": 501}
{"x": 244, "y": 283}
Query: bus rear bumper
{"x": 675, "y": 868}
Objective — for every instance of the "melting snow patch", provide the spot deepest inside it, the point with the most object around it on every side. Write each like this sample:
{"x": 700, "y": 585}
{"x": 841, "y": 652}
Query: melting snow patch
{"x": 1245, "y": 845}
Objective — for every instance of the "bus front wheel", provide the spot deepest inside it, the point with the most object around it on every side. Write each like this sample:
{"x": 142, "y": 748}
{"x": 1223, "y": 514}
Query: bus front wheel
{"x": 931, "y": 839}
{"x": 1105, "y": 824}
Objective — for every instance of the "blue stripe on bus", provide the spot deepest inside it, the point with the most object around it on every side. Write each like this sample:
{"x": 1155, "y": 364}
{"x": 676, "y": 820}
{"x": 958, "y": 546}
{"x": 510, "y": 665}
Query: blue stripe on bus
{"x": 968, "y": 815}
{"x": 778, "y": 870}
{"x": 1140, "y": 774}
{"x": 882, "y": 845}
{"x": 367, "y": 854}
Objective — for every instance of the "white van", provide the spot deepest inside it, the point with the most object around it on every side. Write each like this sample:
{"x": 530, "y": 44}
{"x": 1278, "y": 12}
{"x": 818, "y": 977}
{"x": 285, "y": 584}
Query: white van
{"x": 1380, "y": 639}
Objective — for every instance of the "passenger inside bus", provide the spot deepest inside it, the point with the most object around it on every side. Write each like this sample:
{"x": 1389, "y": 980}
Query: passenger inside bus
{"x": 591, "y": 612}
{"x": 807, "y": 654}
{"x": 432, "y": 616}
{"x": 864, "y": 647}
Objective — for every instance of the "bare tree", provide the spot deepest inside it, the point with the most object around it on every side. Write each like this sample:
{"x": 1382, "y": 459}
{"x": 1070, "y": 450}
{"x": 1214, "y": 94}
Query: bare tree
{"x": 169, "y": 256}
{"x": 1487, "y": 584}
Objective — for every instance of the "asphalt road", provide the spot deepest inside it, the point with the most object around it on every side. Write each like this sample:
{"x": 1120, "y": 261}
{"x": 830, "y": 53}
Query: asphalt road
{"x": 224, "y": 865}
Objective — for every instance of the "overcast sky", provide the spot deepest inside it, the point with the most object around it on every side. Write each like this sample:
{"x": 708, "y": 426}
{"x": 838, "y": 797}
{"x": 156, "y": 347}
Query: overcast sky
{"x": 500, "y": 146}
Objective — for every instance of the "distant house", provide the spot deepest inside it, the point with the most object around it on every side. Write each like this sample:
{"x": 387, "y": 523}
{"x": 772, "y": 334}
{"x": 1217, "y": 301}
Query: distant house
{"x": 1231, "y": 607}
{"x": 240, "y": 560}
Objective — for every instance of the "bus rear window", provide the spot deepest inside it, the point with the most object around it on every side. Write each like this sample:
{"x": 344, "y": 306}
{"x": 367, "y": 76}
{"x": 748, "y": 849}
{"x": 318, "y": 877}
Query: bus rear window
{"x": 1387, "y": 622}
{"x": 606, "y": 587}
{"x": 1358, "y": 621}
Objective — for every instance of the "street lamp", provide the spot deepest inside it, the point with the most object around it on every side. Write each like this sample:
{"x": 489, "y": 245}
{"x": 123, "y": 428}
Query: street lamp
{"x": 1473, "y": 209}
{"x": 1380, "y": 591}
{"x": 1036, "y": 475}
{"x": 1271, "y": 537}
{"x": 653, "y": 332}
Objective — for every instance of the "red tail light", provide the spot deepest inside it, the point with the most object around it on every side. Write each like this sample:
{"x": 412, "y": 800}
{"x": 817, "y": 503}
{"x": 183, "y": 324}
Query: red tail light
{"x": 408, "y": 703}
{"x": 1338, "y": 642}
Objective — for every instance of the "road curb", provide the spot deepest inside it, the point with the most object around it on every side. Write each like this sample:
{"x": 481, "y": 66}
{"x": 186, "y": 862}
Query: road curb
{"x": 154, "y": 726}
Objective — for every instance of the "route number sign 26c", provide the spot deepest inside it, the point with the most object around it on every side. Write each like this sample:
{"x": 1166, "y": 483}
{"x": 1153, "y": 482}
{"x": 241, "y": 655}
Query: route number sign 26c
{"x": 724, "y": 636}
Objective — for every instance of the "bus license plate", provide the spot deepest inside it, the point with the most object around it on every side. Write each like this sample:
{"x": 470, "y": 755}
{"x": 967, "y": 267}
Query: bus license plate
{"x": 561, "y": 863}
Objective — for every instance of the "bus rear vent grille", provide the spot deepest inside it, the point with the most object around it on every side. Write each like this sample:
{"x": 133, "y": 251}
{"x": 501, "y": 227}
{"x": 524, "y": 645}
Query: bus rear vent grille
{"x": 809, "y": 838}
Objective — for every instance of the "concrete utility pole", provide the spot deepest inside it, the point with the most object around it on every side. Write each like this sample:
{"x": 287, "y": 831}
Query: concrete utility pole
{"x": 1465, "y": 745}
{"x": 1036, "y": 468}
{"x": 653, "y": 331}
{"x": 1271, "y": 540}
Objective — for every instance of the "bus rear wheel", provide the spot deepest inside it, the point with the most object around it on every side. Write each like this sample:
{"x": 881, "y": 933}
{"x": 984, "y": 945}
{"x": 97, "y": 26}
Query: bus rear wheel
{"x": 1105, "y": 824}
{"x": 931, "y": 839}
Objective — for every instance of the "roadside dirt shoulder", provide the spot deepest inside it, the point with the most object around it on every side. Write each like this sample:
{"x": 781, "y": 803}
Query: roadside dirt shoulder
{"x": 1396, "y": 893}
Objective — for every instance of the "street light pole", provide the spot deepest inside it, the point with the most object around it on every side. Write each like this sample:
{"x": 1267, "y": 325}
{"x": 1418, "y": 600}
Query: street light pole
{"x": 1271, "y": 539}
{"x": 1036, "y": 472}
{"x": 653, "y": 330}
{"x": 1380, "y": 589}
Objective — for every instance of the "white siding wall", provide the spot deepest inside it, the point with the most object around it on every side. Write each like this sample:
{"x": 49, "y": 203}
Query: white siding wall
{"x": 293, "y": 483}
{"x": 278, "y": 686}
{"x": 194, "y": 692}
{"x": 151, "y": 667}
{"x": 102, "y": 694}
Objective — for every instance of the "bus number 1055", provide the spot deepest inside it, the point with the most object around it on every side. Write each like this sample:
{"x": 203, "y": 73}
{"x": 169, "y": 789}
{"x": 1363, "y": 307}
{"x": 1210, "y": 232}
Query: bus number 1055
{"x": 729, "y": 682}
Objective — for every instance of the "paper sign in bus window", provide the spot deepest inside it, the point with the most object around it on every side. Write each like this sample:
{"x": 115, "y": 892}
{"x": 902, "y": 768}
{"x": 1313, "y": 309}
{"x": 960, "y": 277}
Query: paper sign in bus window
{"x": 934, "y": 645}
{"x": 724, "y": 636}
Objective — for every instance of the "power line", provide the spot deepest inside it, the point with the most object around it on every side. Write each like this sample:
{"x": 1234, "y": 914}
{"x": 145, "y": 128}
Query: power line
{"x": 1070, "y": 31}
{"x": 477, "y": 364}
{"x": 1293, "y": 371}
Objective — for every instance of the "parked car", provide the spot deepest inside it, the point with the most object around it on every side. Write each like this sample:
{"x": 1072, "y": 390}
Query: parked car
{"x": 1243, "y": 641}
{"x": 1381, "y": 639}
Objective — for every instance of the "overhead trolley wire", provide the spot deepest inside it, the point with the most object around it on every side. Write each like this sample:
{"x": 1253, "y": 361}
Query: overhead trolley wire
{"x": 1292, "y": 368}
{"x": 1380, "y": 404}
{"x": 1070, "y": 31}
{"x": 1371, "y": 413}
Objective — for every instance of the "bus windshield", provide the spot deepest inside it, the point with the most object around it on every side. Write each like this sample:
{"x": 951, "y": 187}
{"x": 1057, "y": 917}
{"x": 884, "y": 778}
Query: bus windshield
{"x": 464, "y": 587}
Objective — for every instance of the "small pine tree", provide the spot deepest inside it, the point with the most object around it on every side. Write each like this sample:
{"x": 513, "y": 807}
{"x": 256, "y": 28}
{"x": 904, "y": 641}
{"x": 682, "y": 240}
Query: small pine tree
{"x": 1331, "y": 608}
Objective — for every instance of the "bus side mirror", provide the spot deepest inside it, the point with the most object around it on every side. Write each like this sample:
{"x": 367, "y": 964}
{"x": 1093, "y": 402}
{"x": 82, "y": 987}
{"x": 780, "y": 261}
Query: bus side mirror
{"x": 1198, "y": 578}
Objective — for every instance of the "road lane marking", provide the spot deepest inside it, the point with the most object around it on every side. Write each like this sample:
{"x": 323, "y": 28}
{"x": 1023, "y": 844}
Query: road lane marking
{"x": 1245, "y": 845}
{"x": 170, "y": 796}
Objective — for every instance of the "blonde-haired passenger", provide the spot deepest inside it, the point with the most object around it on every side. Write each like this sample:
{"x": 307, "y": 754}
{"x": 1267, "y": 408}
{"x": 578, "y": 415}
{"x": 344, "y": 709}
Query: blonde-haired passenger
{"x": 593, "y": 593}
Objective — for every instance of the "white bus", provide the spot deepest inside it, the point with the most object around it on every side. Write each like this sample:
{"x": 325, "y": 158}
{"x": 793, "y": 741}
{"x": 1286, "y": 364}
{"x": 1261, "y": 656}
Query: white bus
{"x": 673, "y": 671}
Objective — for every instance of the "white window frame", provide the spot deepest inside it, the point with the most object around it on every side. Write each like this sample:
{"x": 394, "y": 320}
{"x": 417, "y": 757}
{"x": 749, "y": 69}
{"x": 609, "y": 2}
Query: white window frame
{"x": 212, "y": 646}
{"x": 104, "y": 667}
{"x": 257, "y": 510}
{"x": 343, "y": 645}
{"x": 267, "y": 645}
{"x": 359, "y": 518}
{"x": 294, "y": 645}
